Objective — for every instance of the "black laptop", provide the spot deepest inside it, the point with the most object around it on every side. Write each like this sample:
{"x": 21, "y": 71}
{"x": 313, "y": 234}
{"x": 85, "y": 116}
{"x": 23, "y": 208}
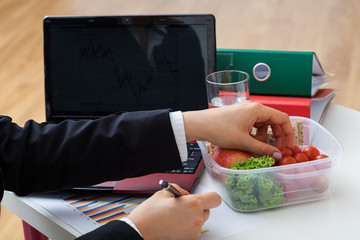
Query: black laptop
{"x": 98, "y": 65}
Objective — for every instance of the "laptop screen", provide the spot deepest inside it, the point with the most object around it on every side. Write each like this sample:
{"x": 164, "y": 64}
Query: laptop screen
{"x": 97, "y": 65}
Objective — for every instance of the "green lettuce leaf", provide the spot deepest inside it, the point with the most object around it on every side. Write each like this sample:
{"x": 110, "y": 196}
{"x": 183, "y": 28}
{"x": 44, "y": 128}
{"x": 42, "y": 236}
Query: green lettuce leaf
{"x": 249, "y": 191}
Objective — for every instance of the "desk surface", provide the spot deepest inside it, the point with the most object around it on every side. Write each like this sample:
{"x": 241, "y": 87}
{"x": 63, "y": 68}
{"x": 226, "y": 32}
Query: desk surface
{"x": 332, "y": 218}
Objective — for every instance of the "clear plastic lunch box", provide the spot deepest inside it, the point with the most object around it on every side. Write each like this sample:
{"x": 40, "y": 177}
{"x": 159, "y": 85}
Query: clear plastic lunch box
{"x": 258, "y": 189}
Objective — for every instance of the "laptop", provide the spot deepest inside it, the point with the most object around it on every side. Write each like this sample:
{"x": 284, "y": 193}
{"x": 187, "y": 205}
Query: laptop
{"x": 98, "y": 65}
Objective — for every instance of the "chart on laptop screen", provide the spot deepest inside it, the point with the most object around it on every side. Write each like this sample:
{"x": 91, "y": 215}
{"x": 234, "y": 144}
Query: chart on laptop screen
{"x": 105, "y": 69}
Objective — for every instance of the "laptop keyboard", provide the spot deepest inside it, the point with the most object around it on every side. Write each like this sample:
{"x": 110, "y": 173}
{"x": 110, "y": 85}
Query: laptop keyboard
{"x": 194, "y": 157}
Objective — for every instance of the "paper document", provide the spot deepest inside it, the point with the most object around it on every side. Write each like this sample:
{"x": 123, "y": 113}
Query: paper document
{"x": 225, "y": 222}
{"x": 85, "y": 212}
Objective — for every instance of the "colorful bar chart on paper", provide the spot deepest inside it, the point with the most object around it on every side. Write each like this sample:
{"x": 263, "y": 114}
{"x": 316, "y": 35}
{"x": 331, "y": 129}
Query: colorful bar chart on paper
{"x": 84, "y": 211}
{"x": 103, "y": 209}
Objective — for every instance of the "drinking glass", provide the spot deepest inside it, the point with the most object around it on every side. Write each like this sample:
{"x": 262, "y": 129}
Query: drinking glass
{"x": 227, "y": 87}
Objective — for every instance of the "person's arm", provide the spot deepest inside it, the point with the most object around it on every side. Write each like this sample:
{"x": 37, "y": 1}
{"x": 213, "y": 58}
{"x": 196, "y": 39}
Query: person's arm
{"x": 113, "y": 230}
{"x": 230, "y": 127}
{"x": 182, "y": 217}
{"x": 177, "y": 124}
{"x": 163, "y": 216}
{"x": 41, "y": 157}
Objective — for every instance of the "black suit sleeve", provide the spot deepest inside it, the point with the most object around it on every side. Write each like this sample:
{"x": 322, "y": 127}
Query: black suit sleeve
{"x": 115, "y": 230}
{"x": 42, "y": 157}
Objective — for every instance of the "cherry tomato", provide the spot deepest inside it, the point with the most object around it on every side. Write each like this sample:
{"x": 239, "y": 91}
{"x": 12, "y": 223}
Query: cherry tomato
{"x": 290, "y": 189}
{"x": 296, "y": 149}
{"x": 308, "y": 175}
{"x": 324, "y": 165}
{"x": 321, "y": 184}
{"x": 300, "y": 157}
{"x": 286, "y": 160}
{"x": 321, "y": 156}
{"x": 311, "y": 152}
{"x": 305, "y": 169}
{"x": 286, "y": 151}
{"x": 276, "y": 163}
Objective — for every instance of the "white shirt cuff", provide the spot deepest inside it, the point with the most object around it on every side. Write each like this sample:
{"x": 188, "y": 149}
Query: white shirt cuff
{"x": 128, "y": 221}
{"x": 177, "y": 123}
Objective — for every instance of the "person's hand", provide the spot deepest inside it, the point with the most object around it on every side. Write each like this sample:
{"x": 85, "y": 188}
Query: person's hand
{"x": 230, "y": 127}
{"x": 164, "y": 217}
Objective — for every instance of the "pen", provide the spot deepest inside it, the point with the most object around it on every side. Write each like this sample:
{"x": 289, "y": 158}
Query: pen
{"x": 170, "y": 188}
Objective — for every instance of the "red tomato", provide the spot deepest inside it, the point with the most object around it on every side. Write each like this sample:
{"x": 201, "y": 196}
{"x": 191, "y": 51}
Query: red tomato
{"x": 324, "y": 165}
{"x": 309, "y": 176}
{"x": 321, "y": 184}
{"x": 311, "y": 152}
{"x": 321, "y": 156}
{"x": 286, "y": 151}
{"x": 276, "y": 163}
{"x": 286, "y": 160}
{"x": 296, "y": 149}
{"x": 305, "y": 169}
{"x": 301, "y": 157}
{"x": 290, "y": 189}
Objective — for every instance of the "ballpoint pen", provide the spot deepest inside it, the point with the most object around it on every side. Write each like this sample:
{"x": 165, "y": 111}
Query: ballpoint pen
{"x": 170, "y": 188}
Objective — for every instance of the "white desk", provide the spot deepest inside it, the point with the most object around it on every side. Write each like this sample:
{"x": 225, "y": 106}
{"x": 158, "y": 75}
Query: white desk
{"x": 334, "y": 218}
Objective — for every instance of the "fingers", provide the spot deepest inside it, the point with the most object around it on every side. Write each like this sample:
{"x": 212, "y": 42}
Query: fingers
{"x": 208, "y": 200}
{"x": 183, "y": 191}
{"x": 181, "y": 217}
{"x": 262, "y": 148}
{"x": 206, "y": 214}
{"x": 279, "y": 136}
{"x": 280, "y": 125}
{"x": 284, "y": 135}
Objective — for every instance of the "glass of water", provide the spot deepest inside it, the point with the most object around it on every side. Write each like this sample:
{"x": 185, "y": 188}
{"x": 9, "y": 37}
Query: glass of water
{"x": 227, "y": 87}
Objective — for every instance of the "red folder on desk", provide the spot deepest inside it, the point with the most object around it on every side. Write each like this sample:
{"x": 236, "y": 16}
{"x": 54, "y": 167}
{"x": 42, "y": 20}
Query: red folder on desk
{"x": 296, "y": 106}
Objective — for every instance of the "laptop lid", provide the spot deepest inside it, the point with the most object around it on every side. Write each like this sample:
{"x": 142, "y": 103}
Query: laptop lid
{"x": 97, "y": 65}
